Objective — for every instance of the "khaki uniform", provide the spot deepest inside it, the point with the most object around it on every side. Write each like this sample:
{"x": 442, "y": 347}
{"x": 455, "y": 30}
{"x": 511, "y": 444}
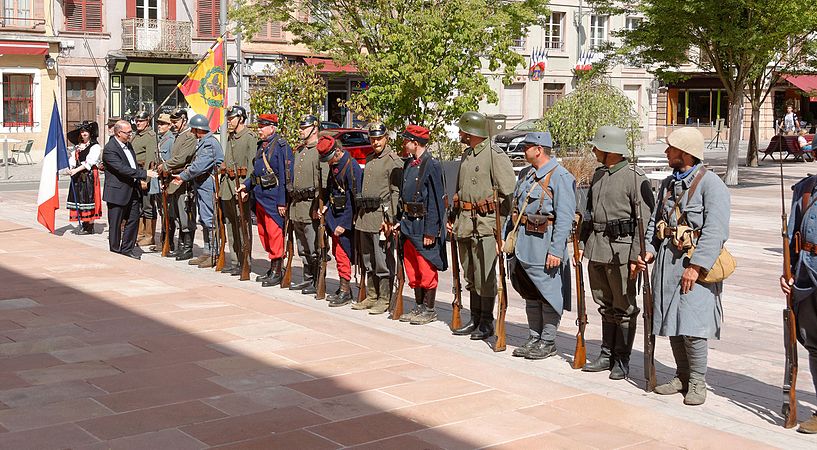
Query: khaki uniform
{"x": 241, "y": 147}
{"x": 481, "y": 168}
{"x": 182, "y": 154}
{"x": 309, "y": 178}
{"x": 146, "y": 146}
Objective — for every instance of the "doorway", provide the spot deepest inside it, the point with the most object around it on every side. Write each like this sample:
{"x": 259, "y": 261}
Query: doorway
{"x": 80, "y": 101}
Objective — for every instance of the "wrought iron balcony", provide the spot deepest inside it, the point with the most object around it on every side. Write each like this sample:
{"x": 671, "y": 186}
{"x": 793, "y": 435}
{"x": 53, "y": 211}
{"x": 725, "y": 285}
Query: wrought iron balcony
{"x": 150, "y": 36}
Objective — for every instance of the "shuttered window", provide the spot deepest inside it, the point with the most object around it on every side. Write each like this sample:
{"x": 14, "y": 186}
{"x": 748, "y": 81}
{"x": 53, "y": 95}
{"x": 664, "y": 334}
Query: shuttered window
{"x": 207, "y": 18}
{"x": 18, "y": 100}
{"x": 83, "y": 15}
{"x": 271, "y": 31}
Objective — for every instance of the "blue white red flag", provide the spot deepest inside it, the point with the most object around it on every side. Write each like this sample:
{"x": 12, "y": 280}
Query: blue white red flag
{"x": 56, "y": 159}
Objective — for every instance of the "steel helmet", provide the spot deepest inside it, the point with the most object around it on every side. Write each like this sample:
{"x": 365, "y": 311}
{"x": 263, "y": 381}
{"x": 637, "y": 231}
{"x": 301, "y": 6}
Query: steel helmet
{"x": 237, "y": 110}
{"x": 611, "y": 139}
{"x": 309, "y": 120}
{"x": 200, "y": 122}
{"x": 142, "y": 115}
{"x": 474, "y": 123}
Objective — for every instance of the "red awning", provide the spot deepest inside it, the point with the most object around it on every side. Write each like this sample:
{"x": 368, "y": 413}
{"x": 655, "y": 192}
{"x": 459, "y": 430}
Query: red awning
{"x": 329, "y": 66}
{"x": 23, "y": 48}
{"x": 806, "y": 83}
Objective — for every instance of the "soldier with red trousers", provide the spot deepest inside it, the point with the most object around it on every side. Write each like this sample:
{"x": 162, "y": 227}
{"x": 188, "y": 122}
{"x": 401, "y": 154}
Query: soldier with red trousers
{"x": 344, "y": 182}
{"x": 267, "y": 184}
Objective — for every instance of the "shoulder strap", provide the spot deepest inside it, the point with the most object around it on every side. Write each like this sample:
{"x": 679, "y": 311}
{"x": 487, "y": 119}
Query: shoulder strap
{"x": 420, "y": 176}
{"x": 806, "y": 202}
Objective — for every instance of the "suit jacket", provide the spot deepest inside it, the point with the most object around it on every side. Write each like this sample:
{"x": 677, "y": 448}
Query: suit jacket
{"x": 120, "y": 178}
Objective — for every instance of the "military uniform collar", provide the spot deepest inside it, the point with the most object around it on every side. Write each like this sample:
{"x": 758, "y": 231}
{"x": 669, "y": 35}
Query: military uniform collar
{"x": 481, "y": 146}
{"x": 618, "y": 166}
{"x": 687, "y": 177}
{"x": 342, "y": 161}
{"x": 542, "y": 171}
{"x": 145, "y": 131}
{"x": 382, "y": 154}
{"x": 239, "y": 134}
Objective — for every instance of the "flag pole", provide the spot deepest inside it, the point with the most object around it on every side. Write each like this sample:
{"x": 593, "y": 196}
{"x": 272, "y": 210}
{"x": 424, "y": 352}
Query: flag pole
{"x": 223, "y": 128}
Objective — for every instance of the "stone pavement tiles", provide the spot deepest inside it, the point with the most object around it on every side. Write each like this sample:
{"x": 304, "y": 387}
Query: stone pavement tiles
{"x": 100, "y": 351}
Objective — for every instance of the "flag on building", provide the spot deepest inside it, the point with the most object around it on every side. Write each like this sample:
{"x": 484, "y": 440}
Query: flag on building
{"x": 538, "y": 62}
{"x": 585, "y": 61}
{"x": 205, "y": 87}
{"x": 56, "y": 159}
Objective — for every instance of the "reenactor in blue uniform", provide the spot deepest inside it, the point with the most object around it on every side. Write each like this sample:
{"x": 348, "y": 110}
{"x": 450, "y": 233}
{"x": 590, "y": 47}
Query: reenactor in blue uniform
{"x": 209, "y": 156}
{"x": 803, "y": 246}
{"x": 344, "y": 182}
{"x": 267, "y": 182}
{"x": 544, "y": 206}
{"x": 183, "y": 207}
{"x": 422, "y": 224}
{"x": 376, "y": 209}
{"x": 611, "y": 244}
{"x": 692, "y": 211}
{"x": 484, "y": 168}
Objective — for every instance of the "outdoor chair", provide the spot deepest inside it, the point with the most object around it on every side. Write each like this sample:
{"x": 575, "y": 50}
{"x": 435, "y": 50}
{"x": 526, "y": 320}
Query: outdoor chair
{"x": 24, "y": 148}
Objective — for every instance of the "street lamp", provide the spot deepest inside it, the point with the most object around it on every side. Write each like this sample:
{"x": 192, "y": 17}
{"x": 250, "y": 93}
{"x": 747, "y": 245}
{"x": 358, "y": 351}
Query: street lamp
{"x": 50, "y": 63}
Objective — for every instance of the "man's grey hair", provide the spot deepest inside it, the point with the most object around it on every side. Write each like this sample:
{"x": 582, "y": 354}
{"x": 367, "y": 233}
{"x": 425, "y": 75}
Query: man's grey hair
{"x": 120, "y": 124}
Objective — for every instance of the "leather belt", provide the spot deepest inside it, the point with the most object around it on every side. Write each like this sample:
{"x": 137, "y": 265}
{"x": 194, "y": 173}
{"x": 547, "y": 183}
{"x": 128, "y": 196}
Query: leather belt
{"x": 472, "y": 206}
{"x": 524, "y": 219}
{"x": 809, "y": 247}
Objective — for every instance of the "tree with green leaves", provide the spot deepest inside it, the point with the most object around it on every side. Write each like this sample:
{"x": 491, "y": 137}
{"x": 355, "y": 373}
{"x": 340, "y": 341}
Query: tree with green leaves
{"x": 735, "y": 39}
{"x": 422, "y": 59}
{"x": 291, "y": 91}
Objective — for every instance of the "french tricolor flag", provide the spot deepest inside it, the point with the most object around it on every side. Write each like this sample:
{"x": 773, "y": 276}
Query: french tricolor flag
{"x": 56, "y": 159}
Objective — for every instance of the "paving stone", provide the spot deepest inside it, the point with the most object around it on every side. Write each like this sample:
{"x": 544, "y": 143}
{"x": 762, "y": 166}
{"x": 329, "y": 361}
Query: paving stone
{"x": 365, "y": 429}
{"x": 48, "y": 393}
{"x": 155, "y": 377}
{"x": 97, "y": 352}
{"x": 344, "y": 384}
{"x": 250, "y": 426}
{"x": 356, "y": 404}
{"x": 40, "y": 346}
{"x": 68, "y": 372}
{"x": 59, "y": 436}
{"x": 18, "y": 303}
{"x": 259, "y": 378}
{"x": 298, "y": 439}
{"x": 165, "y": 439}
{"x": 151, "y": 419}
{"x": 52, "y": 414}
{"x": 160, "y": 395}
{"x": 258, "y": 400}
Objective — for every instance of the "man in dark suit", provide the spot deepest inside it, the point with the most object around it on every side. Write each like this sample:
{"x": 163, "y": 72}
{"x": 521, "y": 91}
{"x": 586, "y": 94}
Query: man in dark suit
{"x": 123, "y": 192}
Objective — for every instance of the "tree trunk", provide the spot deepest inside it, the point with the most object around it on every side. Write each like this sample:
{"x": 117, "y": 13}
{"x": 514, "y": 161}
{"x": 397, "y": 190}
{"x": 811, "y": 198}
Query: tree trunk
{"x": 751, "y": 153}
{"x": 735, "y": 129}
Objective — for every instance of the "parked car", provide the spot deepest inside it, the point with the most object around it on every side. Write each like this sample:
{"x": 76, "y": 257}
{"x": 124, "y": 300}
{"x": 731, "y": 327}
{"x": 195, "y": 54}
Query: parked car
{"x": 327, "y": 125}
{"x": 509, "y": 140}
{"x": 354, "y": 141}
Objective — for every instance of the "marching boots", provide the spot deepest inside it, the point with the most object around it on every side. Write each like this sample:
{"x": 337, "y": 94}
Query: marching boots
{"x": 205, "y": 233}
{"x": 266, "y": 276}
{"x": 383, "y": 297}
{"x": 312, "y": 287}
{"x": 608, "y": 341}
{"x": 371, "y": 293}
{"x": 185, "y": 250}
{"x": 307, "y": 278}
{"x": 174, "y": 249}
{"x": 427, "y": 315}
{"x": 473, "y": 323}
{"x": 140, "y": 237}
{"x": 277, "y": 273}
{"x": 148, "y": 233}
{"x": 345, "y": 295}
{"x": 418, "y": 297}
{"x": 88, "y": 227}
{"x": 486, "y": 320}
{"x": 625, "y": 335}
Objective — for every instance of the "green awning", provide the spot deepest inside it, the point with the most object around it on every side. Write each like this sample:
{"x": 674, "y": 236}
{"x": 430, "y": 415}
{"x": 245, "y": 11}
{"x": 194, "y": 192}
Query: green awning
{"x": 156, "y": 68}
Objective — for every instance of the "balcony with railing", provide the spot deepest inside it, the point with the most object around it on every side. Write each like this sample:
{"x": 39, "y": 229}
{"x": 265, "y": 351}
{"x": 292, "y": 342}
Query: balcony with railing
{"x": 152, "y": 37}
{"x": 21, "y": 22}
{"x": 554, "y": 44}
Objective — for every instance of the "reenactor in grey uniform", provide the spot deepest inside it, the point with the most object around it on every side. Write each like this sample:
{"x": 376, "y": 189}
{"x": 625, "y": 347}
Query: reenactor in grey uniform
{"x": 375, "y": 217}
{"x": 183, "y": 205}
{"x": 166, "y": 139}
{"x": 544, "y": 206}
{"x": 483, "y": 167}
{"x": 241, "y": 147}
{"x": 611, "y": 244}
{"x": 309, "y": 177}
{"x": 209, "y": 157}
{"x": 686, "y": 310}
{"x": 145, "y": 146}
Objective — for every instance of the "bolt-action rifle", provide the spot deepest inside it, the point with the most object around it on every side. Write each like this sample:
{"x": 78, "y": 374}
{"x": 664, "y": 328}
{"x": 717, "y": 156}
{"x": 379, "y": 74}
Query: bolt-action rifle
{"x": 580, "y": 354}
{"x": 789, "y": 409}
{"x": 244, "y": 234}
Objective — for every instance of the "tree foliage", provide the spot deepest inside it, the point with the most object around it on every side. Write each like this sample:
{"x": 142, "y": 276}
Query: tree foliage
{"x": 421, "y": 58}
{"x": 736, "y": 39}
{"x": 574, "y": 119}
{"x": 292, "y": 91}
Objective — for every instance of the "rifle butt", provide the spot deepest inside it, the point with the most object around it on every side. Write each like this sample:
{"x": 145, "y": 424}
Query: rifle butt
{"x": 580, "y": 354}
{"x": 789, "y": 409}
{"x": 220, "y": 261}
{"x": 456, "y": 319}
{"x": 287, "y": 280}
{"x": 499, "y": 345}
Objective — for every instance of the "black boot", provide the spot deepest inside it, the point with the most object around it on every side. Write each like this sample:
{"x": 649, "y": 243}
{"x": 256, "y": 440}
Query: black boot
{"x": 88, "y": 227}
{"x": 473, "y": 322}
{"x": 185, "y": 246}
{"x": 277, "y": 273}
{"x": 608, "y": 341}
{"x": 486, "y": 320}
{"x": 267, "y": 275}
{"x": 625, "y": 335}
{"x": 173, "y": 247}
{"x": 307, "y": 280}
{"x": 345, "y": 295}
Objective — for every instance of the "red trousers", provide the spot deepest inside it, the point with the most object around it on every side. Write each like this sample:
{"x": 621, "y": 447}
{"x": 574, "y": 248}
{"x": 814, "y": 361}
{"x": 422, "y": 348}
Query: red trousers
{"x": 344, "y": 264}
{"x": 272, "y": 237}
{"x": 420, "y": 273}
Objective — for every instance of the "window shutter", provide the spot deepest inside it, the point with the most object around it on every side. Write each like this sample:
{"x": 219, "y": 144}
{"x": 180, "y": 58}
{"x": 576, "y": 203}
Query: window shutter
{"x": 171, "y": 9}
{"x": 93, "y": 15}
{"x": 39, "y": 9}
{"x": 130, "y": 9}
{"x": 207, "y": 15}
{"x": 83, "y": 15}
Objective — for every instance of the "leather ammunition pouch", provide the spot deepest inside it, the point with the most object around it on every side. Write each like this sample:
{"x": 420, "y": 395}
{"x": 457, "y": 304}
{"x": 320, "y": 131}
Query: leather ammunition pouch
{"x": 201, "y": 178}
{"x": 299, "y": 195}
{"x": 615, "y": 229}
{"x": 267, "y": 181}
{"x": 482, "y": 207}
{"x": 368, "y": 203}
{"x": 338, "y": 202}
{"x": 414, "y": 209}
{"x": 536, "y": 223}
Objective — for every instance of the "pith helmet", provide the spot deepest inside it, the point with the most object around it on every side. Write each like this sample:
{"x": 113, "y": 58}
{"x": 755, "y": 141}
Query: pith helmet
{"x": 474, "y": 123}
{"x": 688, "y": 140}
{"x": 611, "y": 139}
{"x": 377, "y": 129}
{"x": 200, "y": 122}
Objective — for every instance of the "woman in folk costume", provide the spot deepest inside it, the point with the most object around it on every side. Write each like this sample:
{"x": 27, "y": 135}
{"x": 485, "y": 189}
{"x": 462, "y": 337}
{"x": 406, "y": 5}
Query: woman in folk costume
{"x": 84, "y": 195}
